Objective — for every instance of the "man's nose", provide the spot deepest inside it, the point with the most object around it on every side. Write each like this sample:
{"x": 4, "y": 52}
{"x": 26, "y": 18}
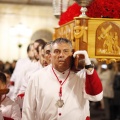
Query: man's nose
{"x": 61, "y": 53}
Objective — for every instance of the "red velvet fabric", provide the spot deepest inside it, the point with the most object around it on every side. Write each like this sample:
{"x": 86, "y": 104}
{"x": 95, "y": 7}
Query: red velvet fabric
{"x": 93, "y": 84}
{"x": 6, "y": 118}
{"x": 12, "y": 83}
{"x": 21, "y": 95}
{"x": 87, "y": 118}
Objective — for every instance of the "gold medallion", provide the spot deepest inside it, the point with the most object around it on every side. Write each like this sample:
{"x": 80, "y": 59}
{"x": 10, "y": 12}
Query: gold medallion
{"x": 60, "y": 103}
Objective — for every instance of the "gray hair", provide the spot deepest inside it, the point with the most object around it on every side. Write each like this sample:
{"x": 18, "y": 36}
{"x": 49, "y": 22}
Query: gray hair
{"x": 62, "y": 40}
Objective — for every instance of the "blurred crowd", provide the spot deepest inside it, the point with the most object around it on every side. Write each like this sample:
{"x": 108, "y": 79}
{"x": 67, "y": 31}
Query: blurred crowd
{"x": 109, "y": 106}
{"x": 7, "y": 66}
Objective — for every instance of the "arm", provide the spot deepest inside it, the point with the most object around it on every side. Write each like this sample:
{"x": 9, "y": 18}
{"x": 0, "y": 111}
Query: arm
{"x": 93, "y": 86}
{"x": 24, "y": 84}
{"x": 19, "y": 100}
{"x": 88, "y": 64}
{"x": 21, "y": 93}
{"x": 29, "y": 103}
{"x": 16, "y": 113}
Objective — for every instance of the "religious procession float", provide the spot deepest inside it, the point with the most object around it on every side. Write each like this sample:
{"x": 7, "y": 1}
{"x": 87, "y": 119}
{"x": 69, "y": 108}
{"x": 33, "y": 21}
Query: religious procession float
{"x": 94, "y": 26}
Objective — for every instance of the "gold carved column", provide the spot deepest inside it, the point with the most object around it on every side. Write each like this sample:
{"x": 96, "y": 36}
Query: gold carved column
{"x": 81, "y": 33}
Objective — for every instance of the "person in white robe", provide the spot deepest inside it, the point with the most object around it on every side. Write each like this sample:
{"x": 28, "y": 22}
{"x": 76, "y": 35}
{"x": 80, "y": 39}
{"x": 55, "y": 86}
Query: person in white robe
{"x": 25, "y": 65}
{"x": 40, "y": 63}
{"x": 8, "y": 108}
{"x": 44, "y": 60}
{"x": 58, "y": 93}
{"x": 22, "y": 65}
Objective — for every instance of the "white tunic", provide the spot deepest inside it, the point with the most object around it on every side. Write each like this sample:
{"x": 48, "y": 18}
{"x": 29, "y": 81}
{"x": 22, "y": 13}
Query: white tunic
{"x": 10, "y": 109}
{"x": 43, "y": 92}
{"x": 27, "y": 76}
{"x": 19, "y": 74}
{"x": 21, "y": 66}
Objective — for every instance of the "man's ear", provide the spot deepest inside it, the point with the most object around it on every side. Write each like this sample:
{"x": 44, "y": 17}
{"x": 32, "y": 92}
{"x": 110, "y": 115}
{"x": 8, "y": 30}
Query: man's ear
{"x": 73, "y": 50}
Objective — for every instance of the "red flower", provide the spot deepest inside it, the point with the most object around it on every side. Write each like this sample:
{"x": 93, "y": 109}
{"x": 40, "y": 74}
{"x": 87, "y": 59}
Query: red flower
{"x": 72, "y": 11}
{"x": 97, "y": 9}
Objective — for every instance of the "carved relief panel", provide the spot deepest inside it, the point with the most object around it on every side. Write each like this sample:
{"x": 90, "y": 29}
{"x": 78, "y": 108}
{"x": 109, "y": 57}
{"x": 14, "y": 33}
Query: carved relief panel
{"x": 107, "y": 41}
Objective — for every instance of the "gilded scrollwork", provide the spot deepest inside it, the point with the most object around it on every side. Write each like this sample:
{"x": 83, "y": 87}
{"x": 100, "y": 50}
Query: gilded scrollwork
{"x": 108, "y": 60}
{"x": 80, "y": 31}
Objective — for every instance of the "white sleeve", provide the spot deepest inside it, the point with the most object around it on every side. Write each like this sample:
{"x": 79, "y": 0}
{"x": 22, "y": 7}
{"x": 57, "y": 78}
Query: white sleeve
{"x": 16, "y": 113}
{"x": 23, "y": 86}
{"x": 16, "y": 70}
{"x": 1, "y": 117}
{"x": 29, "y": 103}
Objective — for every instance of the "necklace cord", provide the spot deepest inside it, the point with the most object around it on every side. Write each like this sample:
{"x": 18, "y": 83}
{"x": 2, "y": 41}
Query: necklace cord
{"x": 61, "y": 83}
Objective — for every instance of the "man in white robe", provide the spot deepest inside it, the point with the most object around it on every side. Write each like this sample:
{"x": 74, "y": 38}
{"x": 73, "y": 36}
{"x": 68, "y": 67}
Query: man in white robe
{"x": 10, "y": 109}
{"x": 25, "y": 65}
{"x": 41, "y": 62}
{"x": 21, "y": 67}
{"x": 58, "y": 93}
{"x": 44, "y": 60}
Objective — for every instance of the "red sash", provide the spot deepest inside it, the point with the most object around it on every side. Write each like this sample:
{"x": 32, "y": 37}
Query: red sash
{"x": 7, "y": 118}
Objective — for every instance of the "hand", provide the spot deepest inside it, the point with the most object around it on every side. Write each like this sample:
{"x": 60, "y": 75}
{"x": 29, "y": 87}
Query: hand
{"x": 83, "y": 52}
{"x": 19, "y": 100}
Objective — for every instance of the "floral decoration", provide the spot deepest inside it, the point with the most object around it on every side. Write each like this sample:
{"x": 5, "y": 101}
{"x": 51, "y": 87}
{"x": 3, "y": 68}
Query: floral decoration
{"x": 97, "y": 9}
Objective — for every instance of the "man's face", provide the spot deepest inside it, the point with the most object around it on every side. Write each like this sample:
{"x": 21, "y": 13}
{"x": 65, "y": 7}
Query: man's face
{"x": 42, "y": 57}
{"x": 36, "y": 54}
{"x": 47, "y": 54}
{"x": 31, "y": 52}
{"x": 61, "y": 55}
